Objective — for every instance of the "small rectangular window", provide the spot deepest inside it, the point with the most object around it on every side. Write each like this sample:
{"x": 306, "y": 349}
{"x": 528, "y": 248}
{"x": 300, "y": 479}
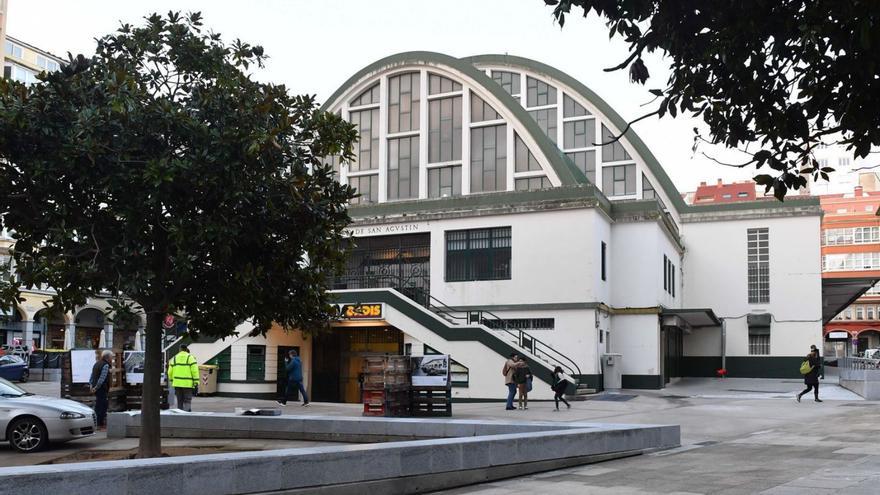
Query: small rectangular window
{"x": 256, "y": 363}
{"x": 759, "y": 345}
{"x": 672, "y": 279}
{"x": 604, "y": 249}
{"x": 665, "y": 273}
{"x": 619, "y": 180}
{"x": 860, "y": 313}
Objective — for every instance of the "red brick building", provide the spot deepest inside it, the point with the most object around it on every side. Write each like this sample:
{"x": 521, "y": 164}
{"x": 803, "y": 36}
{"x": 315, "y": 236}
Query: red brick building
{"x": 851, "y": 249}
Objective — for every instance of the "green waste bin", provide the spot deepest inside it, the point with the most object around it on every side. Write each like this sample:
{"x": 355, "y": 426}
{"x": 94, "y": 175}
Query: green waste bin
{"x": 208, "y": 379}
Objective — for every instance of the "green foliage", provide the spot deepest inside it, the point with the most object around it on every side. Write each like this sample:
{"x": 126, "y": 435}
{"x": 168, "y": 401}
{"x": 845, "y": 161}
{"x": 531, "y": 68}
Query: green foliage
{"x": 785, "y": 74}
{"x": 159, "y": 170}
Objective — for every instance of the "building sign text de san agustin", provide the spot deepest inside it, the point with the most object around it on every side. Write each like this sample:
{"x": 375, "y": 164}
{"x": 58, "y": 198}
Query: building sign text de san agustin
{"x": 404, "y": 228}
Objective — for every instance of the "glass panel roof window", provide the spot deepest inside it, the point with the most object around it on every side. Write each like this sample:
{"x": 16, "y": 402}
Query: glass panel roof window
{"x": 509, "y": 81}
{"x": 619, "y": 180}
{"x": 524, "y": 160}
{"x": 439, "y": 85}
{"x": 482, "y": 111}
{"x": 612, "y": 152}
{"x": 444, "y": 129}
{"x": 546, "y": 119}
{"x": 403, "y": 103}
{"x": 539, "y": 93}
{"x": 369, "y": 97}
{"x": 572, "y": 108}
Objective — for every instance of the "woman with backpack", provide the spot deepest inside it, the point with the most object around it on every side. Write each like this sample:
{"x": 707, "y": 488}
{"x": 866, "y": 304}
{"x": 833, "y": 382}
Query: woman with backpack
{"x": 559, "y": 386}
{"x": 811, "y": 377}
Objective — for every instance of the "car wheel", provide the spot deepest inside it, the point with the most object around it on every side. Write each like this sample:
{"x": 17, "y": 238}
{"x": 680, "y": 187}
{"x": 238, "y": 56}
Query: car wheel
{"x": 24, "y": 376}
{"x": 28, "y": 434}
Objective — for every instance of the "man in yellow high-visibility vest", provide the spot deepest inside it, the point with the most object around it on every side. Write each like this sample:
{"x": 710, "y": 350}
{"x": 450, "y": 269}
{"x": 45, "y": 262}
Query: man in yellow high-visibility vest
{"x": 183, "y": 374}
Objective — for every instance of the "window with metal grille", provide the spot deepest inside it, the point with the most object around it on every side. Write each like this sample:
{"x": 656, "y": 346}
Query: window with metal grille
{"x": 759, "y": 265}
{"x": 478, "y": 254}
{"x": 759, "y": 345}
{"x": 223, "y": 361}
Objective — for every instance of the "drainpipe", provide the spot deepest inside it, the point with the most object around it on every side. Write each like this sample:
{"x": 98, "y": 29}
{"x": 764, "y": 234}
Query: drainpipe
{"x": 723, "y": 343}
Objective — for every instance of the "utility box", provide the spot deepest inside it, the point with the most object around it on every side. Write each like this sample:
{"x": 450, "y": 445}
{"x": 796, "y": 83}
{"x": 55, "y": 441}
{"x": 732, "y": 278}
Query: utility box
{"x": 208, "y": 379}
{"x": 612, "y": 364}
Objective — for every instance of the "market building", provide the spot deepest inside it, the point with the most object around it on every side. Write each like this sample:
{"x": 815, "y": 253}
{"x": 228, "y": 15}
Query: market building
{"x": 499, "y": 214}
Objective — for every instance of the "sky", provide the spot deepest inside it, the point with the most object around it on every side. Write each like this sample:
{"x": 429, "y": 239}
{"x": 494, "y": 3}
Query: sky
{"x": 315, "y": 45}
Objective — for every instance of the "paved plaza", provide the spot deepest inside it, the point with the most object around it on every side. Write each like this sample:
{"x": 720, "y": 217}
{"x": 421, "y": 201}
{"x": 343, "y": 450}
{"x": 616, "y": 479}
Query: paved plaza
{"x": 738, "y": 436}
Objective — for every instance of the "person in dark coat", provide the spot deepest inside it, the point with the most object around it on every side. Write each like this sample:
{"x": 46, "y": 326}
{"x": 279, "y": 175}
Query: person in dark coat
{"x": 559, "y": 386}
{"x": 811, "y": 379}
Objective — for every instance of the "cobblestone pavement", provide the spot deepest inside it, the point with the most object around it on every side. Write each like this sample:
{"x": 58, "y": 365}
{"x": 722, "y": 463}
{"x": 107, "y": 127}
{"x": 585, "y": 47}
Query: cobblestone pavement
{"x": 738, "y": 436}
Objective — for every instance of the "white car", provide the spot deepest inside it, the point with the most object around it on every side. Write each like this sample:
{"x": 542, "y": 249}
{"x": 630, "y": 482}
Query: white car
{"x": 29, "y": 422}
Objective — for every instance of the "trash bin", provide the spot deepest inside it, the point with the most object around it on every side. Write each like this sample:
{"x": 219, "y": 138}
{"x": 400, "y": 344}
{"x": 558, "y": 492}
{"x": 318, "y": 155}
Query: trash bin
{"x": 208, "y": 379}
{"x": 612, "y": 365}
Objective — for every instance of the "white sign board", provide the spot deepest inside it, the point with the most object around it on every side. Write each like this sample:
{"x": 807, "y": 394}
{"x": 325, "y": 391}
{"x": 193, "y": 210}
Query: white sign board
{"x": 81, "y": 364}
{"x": 431, "y": 370}
{"x": 134, "y": 366}
{"x": 838, "y": 335}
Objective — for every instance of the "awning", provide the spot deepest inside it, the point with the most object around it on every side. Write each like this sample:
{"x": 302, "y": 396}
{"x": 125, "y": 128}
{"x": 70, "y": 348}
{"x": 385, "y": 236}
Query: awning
{"x": 693, "y": 317}
{"x": 838, "y": 293}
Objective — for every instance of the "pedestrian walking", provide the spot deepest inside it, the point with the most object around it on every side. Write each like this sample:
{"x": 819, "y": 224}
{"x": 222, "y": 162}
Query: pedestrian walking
{"x": 523, "y": 378}
{"x": 99, "y": 384}
{"x": 183, "y": 375}
{"x": 508, "y": 371}
{"x": 811, "y": 377}
{"x": 294, "y": 378}
{"x": 560, "y": 384}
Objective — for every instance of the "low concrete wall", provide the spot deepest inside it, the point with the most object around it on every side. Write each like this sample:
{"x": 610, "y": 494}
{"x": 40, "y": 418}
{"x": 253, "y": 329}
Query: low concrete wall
{"x": 860, "y": 376}
{"x": 469, "y": 452}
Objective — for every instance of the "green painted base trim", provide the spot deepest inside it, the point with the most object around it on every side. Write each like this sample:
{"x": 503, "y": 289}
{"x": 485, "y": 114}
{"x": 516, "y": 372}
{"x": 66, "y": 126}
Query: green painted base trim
{"x": 700, "y": 366}
{"x": 764, "y": 367}
{"x": 743, "y": 366}
{"x": 650, "y": 382}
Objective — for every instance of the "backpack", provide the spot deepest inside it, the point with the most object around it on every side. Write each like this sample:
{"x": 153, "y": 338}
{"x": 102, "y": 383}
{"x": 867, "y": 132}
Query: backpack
{"x": 806, "y": 368}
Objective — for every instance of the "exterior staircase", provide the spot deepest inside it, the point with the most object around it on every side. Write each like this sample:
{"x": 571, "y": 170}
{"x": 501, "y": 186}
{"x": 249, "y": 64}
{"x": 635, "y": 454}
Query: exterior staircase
{"x": 522, "y": 341}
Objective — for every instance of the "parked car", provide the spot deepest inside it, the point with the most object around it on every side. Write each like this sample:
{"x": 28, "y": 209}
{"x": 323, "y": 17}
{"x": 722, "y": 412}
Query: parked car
{"x": 14, "y": 350}
{"x": 14, "y": 368}
{"x": 29, "y": 422}
{"x": 871, "y": 354}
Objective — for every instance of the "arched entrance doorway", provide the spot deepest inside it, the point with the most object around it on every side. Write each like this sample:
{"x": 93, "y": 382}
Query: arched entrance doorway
{"x": 89, "y": 323}
{"x": 51, "y": 325}
{"x": 868, "y": 339}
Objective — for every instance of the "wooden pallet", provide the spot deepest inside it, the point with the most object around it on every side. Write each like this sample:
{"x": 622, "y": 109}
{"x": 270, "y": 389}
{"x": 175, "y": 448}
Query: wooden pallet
{"x": 430, "y": 401}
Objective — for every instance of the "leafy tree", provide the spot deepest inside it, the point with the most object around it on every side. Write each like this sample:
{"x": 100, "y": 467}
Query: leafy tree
{"x": 158, "y": 170}
{"x": 785, "y": 74}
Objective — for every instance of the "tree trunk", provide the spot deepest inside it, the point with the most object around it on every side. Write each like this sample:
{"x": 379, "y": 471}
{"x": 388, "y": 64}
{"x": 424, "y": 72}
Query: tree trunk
{"x": 151, "y": 440}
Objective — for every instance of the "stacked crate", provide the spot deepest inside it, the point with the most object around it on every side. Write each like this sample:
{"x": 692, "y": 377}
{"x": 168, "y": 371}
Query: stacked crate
{"x": 386, "y": 385}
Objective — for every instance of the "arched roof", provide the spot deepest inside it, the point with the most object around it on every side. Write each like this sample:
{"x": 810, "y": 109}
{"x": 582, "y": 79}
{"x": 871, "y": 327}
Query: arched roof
{"x": 567, "y": 172}
{"x": 612, "y": 116}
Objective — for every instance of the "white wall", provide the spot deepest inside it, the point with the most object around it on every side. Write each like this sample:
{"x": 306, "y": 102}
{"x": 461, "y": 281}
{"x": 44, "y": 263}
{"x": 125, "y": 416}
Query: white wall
{"x": 554, "y": 258}
{"x": 716, "y": 277}
{"x": 637, "y": 337}
{"x": 637, "y": 276}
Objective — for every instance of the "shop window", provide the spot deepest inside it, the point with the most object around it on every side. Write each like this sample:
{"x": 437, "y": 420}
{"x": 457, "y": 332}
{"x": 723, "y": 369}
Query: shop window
{"x": 478, "y": 254}
{"x": 256, "y": 363}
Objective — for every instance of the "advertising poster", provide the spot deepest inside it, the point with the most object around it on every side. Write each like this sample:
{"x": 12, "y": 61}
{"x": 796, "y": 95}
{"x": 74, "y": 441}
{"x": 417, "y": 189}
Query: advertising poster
{"x": 430, "y": 371}
{"x": 81, "y": 364}
{"x": 134, "y": 366}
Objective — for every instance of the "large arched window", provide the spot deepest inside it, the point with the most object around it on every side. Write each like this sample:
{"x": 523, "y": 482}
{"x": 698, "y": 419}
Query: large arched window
{"x": 426, "y": 133}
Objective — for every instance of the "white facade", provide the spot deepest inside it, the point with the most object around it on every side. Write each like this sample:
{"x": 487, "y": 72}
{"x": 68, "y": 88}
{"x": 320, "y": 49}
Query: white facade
{"x": 486, "y": 230}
